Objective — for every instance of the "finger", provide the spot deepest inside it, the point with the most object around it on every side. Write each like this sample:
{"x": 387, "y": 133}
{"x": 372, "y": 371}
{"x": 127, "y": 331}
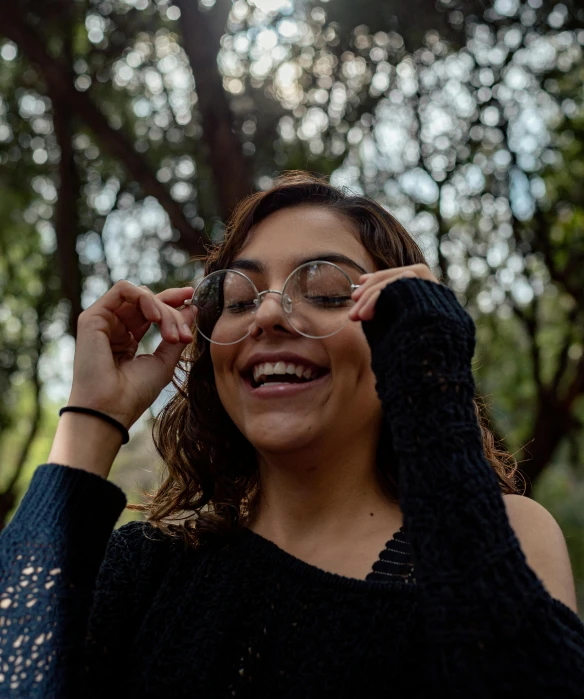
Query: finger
{"x": 121, "y": 292}
{"x": 371, "y": 280}
{"x": 131, "y": 304}
{"x": 134, "y": 317}
{"x": 176, "y": 323}
{"x": 364, "y": 298}
{"x": 140, "y": 331}
{"x": 158, "y": 308}
{"x": 169, "y": 353}
{"x": 161, "y": 364}
{"x": 365, "y": 307}
{"x": 424, "y": 272}
{"x": 384, "y": 280}
{"x": 358, "y": 307}
{"x": 112, "y": 308}
{"x": 367, "y": 311}
{"x": 175, "y": 296}
{"x": 186, "y": 333}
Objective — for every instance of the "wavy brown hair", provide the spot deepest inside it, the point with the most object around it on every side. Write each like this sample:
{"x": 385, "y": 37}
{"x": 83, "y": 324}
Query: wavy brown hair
{"x": 212, "y": 485}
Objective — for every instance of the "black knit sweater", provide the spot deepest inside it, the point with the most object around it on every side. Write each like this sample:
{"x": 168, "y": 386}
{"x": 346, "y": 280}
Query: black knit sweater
{"x": 149, "y": 617}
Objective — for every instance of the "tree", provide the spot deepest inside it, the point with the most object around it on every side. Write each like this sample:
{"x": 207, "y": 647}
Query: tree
{"x": 129, "y": 131}
{"x": 462, "y": 136}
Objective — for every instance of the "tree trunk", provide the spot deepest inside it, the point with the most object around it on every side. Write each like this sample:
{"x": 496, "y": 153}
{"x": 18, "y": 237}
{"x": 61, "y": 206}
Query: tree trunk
{"x": 119, "y": 146}
{"x": 201, "y": 40}
{"x": 8, "y": 496}
{"x": 553, "y": 423}
{"x": 66, "y": 216}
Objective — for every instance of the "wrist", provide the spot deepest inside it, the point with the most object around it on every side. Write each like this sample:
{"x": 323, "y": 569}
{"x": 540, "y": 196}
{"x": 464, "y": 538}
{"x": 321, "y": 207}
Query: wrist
{"x": 106, "y": 417}
{"x": 86, "y": 442}
{"x": 411, "y": 304}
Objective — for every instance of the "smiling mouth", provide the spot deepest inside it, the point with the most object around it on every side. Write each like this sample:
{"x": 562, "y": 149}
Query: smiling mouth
{"x": 282, "y": 379}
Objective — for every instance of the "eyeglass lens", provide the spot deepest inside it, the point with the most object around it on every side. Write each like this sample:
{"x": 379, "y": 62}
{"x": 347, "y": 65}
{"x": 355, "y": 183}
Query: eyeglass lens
{"x": 316, "y": 300}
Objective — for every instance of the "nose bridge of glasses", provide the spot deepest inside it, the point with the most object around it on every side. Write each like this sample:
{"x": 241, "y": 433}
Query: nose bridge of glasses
{"x": 261, "y": 294}
{"x": 283, "y": 298}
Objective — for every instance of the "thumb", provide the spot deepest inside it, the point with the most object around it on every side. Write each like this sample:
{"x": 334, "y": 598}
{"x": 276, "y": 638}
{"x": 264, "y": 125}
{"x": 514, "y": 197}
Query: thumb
{"x": 169, "y": 353}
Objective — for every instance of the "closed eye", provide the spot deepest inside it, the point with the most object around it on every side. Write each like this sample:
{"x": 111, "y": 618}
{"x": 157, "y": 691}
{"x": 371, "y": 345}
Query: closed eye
{"x": 240, "y": 307}
{"x": 329, "y": 301}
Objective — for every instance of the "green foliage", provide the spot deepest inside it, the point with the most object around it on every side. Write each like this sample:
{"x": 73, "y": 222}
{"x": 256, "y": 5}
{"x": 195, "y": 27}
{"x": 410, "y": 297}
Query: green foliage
{"x": 465, "y": 119}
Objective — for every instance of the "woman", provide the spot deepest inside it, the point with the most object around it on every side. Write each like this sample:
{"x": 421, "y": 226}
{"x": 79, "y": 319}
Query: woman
{"x": 328, "y": 415}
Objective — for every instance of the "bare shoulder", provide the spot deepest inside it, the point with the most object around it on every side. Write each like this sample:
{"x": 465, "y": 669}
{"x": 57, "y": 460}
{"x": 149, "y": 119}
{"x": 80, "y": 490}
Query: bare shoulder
{"x": 544, "y": 546}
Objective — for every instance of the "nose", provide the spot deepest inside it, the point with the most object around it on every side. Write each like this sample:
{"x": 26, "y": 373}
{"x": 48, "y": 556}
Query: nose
{"x": 270, "y": 317}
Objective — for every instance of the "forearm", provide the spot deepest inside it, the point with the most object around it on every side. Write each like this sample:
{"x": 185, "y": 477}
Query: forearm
{"x": 50, "y": 555}
{"x": 85, "y": 442}
{"x": 492, "y": 629}
{"x": 449, "y": 492}
{"x": 462, "y": 540}
{"x": 463, "y": 543}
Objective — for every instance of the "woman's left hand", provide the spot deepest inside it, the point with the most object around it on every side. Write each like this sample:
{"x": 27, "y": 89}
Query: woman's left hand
{"x": 371, "y": 285}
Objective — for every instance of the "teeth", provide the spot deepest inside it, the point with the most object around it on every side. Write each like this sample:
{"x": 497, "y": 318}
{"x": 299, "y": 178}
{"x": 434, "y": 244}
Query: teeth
{"x": 260, "y": 371}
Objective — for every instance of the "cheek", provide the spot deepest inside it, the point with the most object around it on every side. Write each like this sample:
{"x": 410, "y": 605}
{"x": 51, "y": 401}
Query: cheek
{"x": 350, "y": 351}
{"x": 351, "y": 362}
{"x": 223, "y": 359}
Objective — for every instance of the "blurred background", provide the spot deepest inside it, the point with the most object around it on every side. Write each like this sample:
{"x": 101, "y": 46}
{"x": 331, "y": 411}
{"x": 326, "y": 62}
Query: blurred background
{"x": 130, "y": 128}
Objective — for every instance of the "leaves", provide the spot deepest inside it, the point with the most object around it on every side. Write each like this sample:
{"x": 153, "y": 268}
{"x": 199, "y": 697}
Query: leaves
{"x": 465, "y": 119}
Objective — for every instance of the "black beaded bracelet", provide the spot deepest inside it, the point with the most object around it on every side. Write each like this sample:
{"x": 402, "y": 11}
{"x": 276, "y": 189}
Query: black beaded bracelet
{"x": 103, "y": 416}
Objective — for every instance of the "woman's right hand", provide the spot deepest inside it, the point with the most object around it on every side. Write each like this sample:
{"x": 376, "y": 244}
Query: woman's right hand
{"x": 107, "y": 374}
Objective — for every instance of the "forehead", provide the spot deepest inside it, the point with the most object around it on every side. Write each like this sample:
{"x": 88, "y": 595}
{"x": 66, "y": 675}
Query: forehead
{"x": 295, "y": 232}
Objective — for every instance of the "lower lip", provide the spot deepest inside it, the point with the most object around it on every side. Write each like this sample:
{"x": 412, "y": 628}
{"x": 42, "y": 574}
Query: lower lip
{"x": 285, "y": 390}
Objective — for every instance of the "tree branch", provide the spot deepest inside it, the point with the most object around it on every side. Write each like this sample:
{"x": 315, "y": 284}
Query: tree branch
{"x": 202, "y": 41}
{"x": 117, "y": 143}
{"x": 562, "y": 277}
{"x": 576, "y": 388}
{"x": 564, "y": 352}
{"x": 530, "y": 323}
{"x": 66, "y": 218}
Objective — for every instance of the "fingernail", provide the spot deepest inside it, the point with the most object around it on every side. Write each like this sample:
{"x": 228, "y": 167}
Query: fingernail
{"x": 187, "y": 330}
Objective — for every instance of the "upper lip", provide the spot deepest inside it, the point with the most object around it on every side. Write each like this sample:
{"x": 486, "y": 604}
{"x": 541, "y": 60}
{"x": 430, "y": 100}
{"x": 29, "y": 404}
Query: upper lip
{"x": 274, "y": 357}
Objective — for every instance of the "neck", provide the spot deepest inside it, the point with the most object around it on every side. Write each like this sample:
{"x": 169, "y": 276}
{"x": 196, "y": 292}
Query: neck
{"x": 306, "y": 496}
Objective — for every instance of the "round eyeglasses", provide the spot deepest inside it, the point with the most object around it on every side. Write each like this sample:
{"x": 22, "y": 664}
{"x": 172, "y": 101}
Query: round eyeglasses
{"x": 316, "y": 300}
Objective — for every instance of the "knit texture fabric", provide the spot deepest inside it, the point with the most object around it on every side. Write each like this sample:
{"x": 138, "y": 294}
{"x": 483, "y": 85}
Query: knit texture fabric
{"x": 85, "y": 612}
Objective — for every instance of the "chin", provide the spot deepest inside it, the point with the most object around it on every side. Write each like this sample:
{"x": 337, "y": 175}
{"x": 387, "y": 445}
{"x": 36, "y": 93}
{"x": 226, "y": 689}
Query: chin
{"x": 280, "y": 438}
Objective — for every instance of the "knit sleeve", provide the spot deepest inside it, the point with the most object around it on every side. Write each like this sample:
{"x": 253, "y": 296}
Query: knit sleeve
{"x": 50, "y": 555}
{"x": 136, "y": 555}
{"x": 493, "y": 629}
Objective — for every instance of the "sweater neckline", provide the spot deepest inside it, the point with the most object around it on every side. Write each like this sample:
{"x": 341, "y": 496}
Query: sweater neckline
{"x": 289, "y": 563}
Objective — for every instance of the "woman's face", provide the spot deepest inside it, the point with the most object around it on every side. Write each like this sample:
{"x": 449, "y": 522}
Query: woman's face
{"x": 340, "y": 405}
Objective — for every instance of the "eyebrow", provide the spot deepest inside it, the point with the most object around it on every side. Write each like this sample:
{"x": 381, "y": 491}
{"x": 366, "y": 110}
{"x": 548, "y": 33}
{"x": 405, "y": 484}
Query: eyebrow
{"x": 259, "y": 268}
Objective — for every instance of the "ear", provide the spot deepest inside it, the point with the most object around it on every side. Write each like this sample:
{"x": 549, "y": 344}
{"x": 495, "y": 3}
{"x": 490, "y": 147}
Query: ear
{"x": 544, "y": 547}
